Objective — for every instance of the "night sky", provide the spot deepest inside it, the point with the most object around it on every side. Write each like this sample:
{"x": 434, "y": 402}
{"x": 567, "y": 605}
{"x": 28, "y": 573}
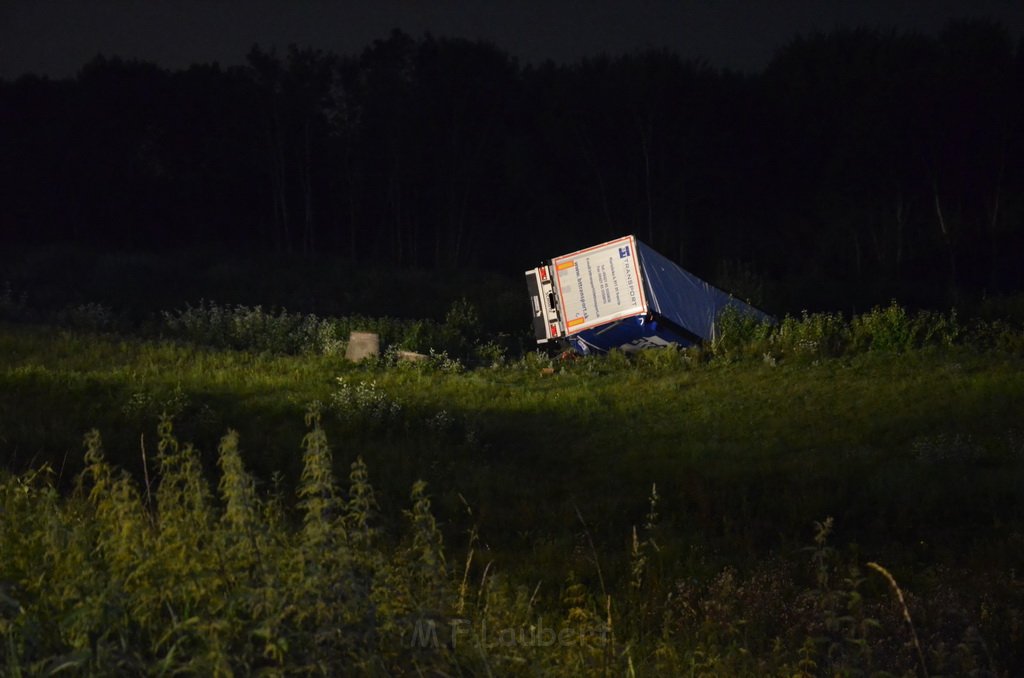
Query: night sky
{"x": 56, "y": 37}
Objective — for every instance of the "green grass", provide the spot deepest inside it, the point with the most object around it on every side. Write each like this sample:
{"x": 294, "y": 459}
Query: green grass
{"x": 857, "y": 437}
{"x": 918, "y": 455}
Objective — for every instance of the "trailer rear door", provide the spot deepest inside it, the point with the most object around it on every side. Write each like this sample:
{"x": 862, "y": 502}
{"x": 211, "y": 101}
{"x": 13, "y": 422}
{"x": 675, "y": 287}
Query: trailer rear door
{"x": 599, "y": 284}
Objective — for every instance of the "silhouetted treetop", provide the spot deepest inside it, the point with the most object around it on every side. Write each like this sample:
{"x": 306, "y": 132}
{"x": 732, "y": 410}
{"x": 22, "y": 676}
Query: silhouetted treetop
{"x": 859, "y": 165}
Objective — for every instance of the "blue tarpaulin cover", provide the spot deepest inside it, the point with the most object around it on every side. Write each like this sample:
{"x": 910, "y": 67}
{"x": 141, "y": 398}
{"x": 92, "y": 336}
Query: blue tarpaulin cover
{"x": 682, "y": 298}
{"x": 681, "y": 309}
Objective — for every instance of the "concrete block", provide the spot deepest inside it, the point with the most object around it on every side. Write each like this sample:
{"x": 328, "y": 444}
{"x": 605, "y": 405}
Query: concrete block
{"x": 362, "y": 345}
{"x": 412, "y": 356}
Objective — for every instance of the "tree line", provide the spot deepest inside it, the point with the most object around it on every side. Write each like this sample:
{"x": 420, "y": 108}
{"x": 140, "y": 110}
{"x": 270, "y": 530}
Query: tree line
{"x": 856, "y": 163}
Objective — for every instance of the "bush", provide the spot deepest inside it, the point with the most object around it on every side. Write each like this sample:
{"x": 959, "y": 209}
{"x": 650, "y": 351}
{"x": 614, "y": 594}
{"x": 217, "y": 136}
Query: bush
{"x": 883, "y": 329}
{"x": 363, "y": 402}
{"x": 252, "y": 328}
{"x": 738, "y": 334}
{"x": 815, "y": 335}
{"x": 828, "y": 335}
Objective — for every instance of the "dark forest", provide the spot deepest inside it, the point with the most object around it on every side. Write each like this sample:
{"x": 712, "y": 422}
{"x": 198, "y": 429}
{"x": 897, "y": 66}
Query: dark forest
{"x": 858, "y": 166}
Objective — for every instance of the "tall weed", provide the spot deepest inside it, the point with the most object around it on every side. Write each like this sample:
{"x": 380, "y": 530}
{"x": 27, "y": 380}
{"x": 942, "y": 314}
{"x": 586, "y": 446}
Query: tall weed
{"x": 252, "y": 328}
{"x": 118, "y": 580}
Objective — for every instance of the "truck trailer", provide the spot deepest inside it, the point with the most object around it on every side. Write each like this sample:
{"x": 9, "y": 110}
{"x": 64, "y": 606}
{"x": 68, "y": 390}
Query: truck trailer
{"x": 623, "y": 294}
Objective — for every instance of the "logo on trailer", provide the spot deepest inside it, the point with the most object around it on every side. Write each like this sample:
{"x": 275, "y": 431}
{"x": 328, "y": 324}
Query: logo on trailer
{"x": 623, "y": 252}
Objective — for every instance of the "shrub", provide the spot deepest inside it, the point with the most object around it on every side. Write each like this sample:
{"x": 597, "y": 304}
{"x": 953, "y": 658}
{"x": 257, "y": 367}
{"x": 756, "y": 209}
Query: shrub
{"x": 883, "y": 329}
{"x": 365, "y": 403}
{"x": 812, "y": 334}
{"x": 252, "y": 328}
{"x": 996, "y": 335}
{"x": 461, "y": 332}
{"x": 738, "y": 334}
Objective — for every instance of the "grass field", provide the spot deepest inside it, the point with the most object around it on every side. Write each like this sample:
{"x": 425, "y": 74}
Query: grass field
{"x": 711, "y": 512}
{"x": 865, "y": 438}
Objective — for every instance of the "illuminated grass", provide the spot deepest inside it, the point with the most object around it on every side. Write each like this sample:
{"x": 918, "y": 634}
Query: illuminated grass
{"x": 918, "y": 456}
{"x": 761, "y": 446}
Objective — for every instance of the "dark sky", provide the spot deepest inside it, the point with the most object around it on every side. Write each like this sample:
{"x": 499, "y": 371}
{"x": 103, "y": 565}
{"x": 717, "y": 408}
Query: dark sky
{"x": 56, "y": 37}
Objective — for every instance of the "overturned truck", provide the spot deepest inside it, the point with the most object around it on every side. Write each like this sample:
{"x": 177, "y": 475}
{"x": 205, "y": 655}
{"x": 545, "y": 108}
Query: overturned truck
{"x": 623, "y": 294}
